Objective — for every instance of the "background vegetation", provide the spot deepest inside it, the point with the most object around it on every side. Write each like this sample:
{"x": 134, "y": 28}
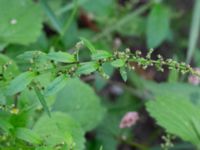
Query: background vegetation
{"x": 67, "y": 78}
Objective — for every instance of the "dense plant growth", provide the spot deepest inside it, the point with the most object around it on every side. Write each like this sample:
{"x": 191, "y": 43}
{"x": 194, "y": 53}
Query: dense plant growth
{"x": 67, "y": 80}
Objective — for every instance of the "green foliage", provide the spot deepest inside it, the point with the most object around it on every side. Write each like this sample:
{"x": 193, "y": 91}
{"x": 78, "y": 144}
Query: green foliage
{"x": 87, "y": 68}
{"x": 157, "y": 25}
{"x": 45, "y": 106}
{"x": 60, "y": 131}
{"x": 21, "y": 82}
{"x": 61, "y": 57}
{"x": 21, "y": 21}
{"x": 80, "y": 101}
{"x": 56, "y": 85}
{"x": 28, "y": 135}
{"x": 171, "y": 114}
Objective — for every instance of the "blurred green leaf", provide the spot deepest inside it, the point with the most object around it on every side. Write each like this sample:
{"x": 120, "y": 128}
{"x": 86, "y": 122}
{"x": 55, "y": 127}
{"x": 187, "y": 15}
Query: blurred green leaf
{"x": 101, "y": 9}
{"x": 21, "y": 21}
{"x": 135, "y": 27}
{"x": 60, "y": 129}
{"x": 123, "y": 73}
{"x": 101, "y": 55}
{"x": 11, "y": 70}
{"x": 56, "y": 85}
{"x": 20, "y": 82}
{"x": 61, "y": 57}
{"x": 87, "y": 68}
{"x": 118, "y": 63}
{"x": 28, "y": 136}
{"x": 157, "y": 25}
{"x": 5, "y": 125}
{"x": 51, "y": 15}
{"x": 89, "y": 45}
{"x": 79, "y": 100}
{"x": 194, "y": 31}
{"x": 178, "y": 90}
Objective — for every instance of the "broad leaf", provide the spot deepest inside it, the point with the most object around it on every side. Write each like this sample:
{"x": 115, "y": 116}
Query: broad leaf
{"x": 28, "y": 136}
{"x": 60, "y": 129}
{"x": 178, "y": 116}
{"x": 80, "y": 101}
{"x": 157, "y": 25}
{"x": 21, "y": 21}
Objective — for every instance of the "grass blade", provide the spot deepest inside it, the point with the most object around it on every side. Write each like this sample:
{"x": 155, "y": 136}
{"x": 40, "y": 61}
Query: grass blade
{"x": 194, "y": 31}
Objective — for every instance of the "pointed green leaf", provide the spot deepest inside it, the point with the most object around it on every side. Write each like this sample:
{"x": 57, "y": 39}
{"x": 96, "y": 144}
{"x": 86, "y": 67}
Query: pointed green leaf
{"x": 157, "y": 25}
{"x": 123, "y": 73}
{"x": 101, "y": 55}
{"x": 55, "y": 86}
{"x": 87, "y": 68}
{"x": 61, "y": 57}
{"x": 20, "y": 82}
{"x": 118, "y": 63}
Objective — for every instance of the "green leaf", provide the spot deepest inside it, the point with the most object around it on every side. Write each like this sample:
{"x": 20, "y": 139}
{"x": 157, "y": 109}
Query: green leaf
{"x": 178, "y": 90}
{"x": 157, "y": 25}
{"x": 21, "y": 21}
{"x": 118, "y": 63}
{"x": 20, "y": 82}
{"x": 89, "y": 45}
{"x": 87, "y": 68}
{"x": 58, "y": 129}
{"x": 61, "y": 57}
{"x": 36, "y": 55}
{"x": 123, "y": 73}
{"x": 28, "y": 136}
{"x": 173, "y": 76}
{"x": 12, "y": 70}
{"x": 177, "y": 116}
{"x": 55, "y": 86}
{"x": 101, "y": 55}
{"x": 42, "y": 100}
{"x": 79, "y": 100}
{"x": 5, "y": 126}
